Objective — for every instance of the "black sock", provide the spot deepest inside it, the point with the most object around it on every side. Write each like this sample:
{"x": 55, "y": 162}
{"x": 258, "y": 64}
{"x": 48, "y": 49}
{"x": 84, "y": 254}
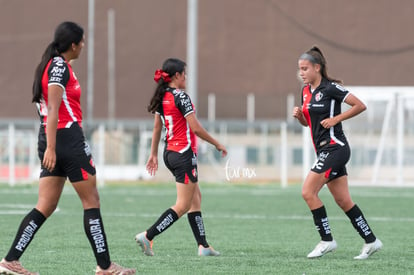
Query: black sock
{"x": 197, "y": 225}
{"x": 25, "y": 234}
{"x": 94, "y": 229}
{"x": 360, "y": 224}
{"x": 320, "y": 218}
{"x": 163, "y": 222}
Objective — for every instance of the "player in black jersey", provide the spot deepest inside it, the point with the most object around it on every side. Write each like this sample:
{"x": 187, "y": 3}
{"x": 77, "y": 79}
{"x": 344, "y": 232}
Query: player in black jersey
{"x": 321, "y": 111}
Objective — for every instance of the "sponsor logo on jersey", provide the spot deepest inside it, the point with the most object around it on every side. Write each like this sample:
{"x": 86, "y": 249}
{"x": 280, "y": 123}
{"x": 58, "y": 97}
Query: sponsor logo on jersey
{"x": 186, "y": 102}
{"x": 55, "y": 79}
{"x": 339, "y": 87}
{"x": 57, "y": 72}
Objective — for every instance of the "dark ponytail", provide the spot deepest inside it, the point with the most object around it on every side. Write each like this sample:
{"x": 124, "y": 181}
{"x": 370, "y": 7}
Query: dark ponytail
{"x": 170, "y": 67}
{"x": 158, "y": 95}
{"x": 49, "y": 53}
{"x": 315, "y": 56}
{"x": 65, "y": 34}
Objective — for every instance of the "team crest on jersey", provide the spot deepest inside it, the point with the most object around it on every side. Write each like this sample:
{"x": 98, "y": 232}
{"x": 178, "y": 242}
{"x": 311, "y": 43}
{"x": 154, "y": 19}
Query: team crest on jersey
{"x": 58, "y": 61}
{"x": 318, "y": 96}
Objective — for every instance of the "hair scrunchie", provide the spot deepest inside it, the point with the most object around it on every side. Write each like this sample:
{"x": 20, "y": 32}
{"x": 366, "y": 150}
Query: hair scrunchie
{"x": 161, "y": 74}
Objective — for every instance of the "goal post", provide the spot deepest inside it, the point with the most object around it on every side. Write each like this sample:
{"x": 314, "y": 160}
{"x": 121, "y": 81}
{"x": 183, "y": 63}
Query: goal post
{"x": 383, "y": 134}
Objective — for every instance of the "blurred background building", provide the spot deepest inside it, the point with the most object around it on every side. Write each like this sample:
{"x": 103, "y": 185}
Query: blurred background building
{"x": 247, "y": 65}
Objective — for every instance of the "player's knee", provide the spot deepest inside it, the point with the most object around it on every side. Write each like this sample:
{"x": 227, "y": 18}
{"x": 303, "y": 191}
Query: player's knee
{"x": 182, "y": 208}
{"x": 197, "y": 198}
{"x": 91, "y": 201}
{"x": 306, "y": 195}
{"x": 344, "y": 203}
{"x": 47, "y": 210}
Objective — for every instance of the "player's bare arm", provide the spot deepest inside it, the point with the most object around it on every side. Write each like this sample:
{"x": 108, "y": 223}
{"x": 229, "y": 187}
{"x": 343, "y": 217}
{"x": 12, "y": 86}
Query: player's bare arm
{"x": 199, "y": 131}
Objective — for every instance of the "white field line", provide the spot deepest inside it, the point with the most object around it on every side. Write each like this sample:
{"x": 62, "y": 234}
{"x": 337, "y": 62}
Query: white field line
{"x": 355, "y": 192}
{"x": 17, "y": 208}
{"x": 22, "y": 209}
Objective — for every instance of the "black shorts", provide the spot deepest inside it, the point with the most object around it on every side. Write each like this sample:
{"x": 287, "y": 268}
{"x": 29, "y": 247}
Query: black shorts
{"x": 182, "y": 165}
{"x": 73, "y": 154}
{"x": 331, "y": 160}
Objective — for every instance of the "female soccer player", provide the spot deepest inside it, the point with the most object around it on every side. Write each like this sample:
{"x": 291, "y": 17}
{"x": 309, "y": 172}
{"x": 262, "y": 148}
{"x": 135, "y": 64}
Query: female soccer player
{"x": 173, "y": 109}
{"x": 321, "y": 111}
{"x": 63, "y": 153}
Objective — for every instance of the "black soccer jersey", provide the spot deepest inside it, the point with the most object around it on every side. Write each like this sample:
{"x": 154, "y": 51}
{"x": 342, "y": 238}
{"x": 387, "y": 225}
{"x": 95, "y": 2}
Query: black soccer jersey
{"x": 324, "y": 102}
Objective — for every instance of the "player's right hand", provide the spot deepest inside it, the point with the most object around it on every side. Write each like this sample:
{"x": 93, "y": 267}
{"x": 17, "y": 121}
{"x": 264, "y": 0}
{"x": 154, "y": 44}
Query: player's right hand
{"x": 152, "y": 165}
{"x": 297, "y": 112}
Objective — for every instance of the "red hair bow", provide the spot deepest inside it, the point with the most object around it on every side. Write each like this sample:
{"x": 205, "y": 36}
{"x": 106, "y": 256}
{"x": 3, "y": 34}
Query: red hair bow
{"x": 161, "y": 74}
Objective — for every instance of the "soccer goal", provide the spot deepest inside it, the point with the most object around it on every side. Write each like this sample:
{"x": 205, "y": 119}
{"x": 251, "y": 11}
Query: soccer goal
{"x": 382, "y": 138}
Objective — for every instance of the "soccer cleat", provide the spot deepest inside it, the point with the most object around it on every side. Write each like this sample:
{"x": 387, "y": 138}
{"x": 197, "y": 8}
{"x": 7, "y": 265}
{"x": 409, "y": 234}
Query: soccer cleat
{"x": 144, "y": 243}
{"x": 114, "y": 269}
{"x": 14, "y": 268}
{"x": 322, "y": 248}
{"x": 368, "y": 249}
{"x": 207, "y": 251}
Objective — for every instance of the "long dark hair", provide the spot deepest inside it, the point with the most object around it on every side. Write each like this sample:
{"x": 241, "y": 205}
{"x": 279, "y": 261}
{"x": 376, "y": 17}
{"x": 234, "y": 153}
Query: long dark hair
{"x": 170, "y": 66}
{"x": 65, "y": 34}
{"x": 316, "y": 57}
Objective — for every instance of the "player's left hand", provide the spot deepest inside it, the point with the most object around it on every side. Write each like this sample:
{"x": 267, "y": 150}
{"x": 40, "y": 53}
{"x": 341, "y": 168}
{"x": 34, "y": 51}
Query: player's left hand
{"x": 222, "y": 150}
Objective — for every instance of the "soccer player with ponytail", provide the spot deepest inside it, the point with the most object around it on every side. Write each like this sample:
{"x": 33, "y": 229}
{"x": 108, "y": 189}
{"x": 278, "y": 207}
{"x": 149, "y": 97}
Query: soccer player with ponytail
{"x": 173, "y": 109}
{"x": 63, "y": 153}
{"x": 322, "y": 97}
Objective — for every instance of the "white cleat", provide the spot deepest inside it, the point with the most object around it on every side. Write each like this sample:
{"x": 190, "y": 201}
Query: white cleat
{"x": 368, "y": 249}
{"x": 144, "y": 243}
{"x": 322, "y": 248}
{"x": 207, "y": 251}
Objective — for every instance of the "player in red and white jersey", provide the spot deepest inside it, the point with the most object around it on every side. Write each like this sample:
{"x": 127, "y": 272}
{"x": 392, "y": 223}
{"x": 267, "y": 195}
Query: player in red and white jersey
{"x": 59, "y": 72}
{"x": 174, "y": 110}
{"x": 322, "y": 97}
{"x": 176, "y": 106}
{"x": 63, "y": 153}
